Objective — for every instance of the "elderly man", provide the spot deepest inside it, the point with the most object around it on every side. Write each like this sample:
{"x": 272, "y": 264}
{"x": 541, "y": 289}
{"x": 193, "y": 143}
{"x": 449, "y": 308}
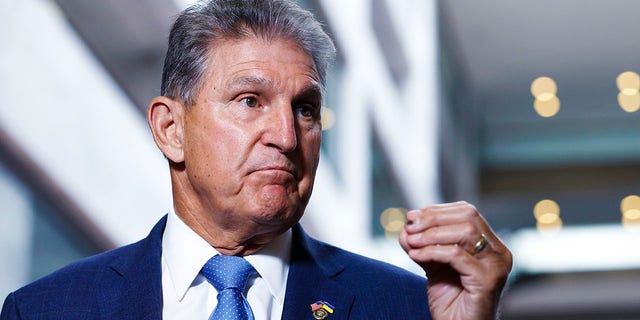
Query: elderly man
{"x": 239, "y": 122}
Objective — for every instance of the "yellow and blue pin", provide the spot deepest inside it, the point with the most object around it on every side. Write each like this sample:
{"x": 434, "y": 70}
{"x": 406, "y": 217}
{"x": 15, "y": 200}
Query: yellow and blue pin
{"x": 321, "y": 309}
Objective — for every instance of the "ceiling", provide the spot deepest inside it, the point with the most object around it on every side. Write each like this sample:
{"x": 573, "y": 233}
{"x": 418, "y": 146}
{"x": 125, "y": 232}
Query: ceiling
{"x": 505, "y": 43}
{"x": 583, "y": 45}
{"x": 586, "y": 157}
{"x": 128, "y": 37}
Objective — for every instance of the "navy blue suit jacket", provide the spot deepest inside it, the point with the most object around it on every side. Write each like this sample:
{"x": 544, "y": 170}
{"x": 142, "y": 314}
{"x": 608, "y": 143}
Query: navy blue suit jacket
{"x": 125, "y": 283}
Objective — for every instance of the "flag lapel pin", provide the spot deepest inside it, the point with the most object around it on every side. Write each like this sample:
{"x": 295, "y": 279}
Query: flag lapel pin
{"x": 321, "y": 309}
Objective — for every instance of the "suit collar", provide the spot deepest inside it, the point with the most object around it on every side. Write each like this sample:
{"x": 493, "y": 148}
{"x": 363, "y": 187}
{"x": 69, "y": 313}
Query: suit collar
{"x": 143, "y": 289}
{"x": 312, "y": 277}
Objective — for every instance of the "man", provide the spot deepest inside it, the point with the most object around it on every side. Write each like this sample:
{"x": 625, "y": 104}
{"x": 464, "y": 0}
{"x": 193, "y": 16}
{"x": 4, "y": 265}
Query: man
{"x": 239, "y": 122}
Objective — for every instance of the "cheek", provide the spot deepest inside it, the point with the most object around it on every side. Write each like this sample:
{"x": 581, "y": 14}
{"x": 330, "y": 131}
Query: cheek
{"x": 217, "y": 141}
{"x": 204, "y": 155}
{"x": 311, "y": 148}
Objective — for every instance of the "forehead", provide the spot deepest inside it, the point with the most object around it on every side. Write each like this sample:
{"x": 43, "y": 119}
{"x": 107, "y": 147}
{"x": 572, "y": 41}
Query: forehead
{"x": 251, "y": 57}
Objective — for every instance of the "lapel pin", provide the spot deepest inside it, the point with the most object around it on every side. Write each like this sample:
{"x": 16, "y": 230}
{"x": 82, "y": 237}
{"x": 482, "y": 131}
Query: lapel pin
{"x": 321, "y": 309}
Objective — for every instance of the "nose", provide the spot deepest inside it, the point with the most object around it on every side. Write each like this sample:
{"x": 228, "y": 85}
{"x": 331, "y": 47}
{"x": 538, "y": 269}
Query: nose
{"x": 280, "y": 129}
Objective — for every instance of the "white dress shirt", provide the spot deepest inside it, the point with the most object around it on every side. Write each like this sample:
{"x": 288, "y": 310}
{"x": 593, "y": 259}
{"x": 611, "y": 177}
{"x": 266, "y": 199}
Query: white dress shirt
{"x": 188, "y": 295}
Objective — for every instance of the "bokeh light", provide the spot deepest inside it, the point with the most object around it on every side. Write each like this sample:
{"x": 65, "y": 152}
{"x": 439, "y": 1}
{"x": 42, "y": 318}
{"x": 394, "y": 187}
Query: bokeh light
{"x": 547, "y": 214}
{"x": 546, "y": 103}
{"x": 328, "y": 118}
{"x": 393, "y": 221}
{"x": 628, "y": 83}
{"x": 630, "y": 208}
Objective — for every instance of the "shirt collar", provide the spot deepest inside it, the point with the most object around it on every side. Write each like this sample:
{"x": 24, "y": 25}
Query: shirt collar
{"x": 272, "y": 264}
{"x": 185, "y": 252}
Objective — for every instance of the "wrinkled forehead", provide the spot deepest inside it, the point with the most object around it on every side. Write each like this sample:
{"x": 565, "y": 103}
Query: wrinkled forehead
{"x": 240, "y": 52}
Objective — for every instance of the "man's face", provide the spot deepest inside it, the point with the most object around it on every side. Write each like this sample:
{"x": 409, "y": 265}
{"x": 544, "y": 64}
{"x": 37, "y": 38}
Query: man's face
{"x": 251, "y": 141}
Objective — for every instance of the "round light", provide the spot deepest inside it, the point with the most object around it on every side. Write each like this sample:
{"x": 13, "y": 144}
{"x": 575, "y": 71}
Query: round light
{"x": 328, "y": 118}
{"x": 632, "y": 214}
{"x": 631, "y": 202}
{"x": 547, "y": 108}
{"x": 546, "y": 97}
{"x": 628, "y": 80}
{"x": 395, "y": 226}
{"x": 548, "y": 218}
{"x": 629, "y": 103}
{"x": 542, "y": 86}
{"x": 393, "y": 219}
{"x": 555, "y": 224}
{"x": 545, "y": 207}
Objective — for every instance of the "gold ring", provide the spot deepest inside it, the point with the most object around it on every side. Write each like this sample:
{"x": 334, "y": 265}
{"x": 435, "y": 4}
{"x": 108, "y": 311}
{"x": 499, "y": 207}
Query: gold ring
{"x": 481, "y": 244}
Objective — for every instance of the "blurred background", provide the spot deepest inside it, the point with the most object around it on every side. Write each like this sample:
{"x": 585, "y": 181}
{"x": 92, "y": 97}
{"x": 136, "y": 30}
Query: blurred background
{"x": 527, "y": 109}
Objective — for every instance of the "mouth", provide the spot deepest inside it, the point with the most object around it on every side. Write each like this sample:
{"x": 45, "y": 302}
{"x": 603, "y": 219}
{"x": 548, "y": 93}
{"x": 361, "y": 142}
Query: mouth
{"x": 277, "y": 171}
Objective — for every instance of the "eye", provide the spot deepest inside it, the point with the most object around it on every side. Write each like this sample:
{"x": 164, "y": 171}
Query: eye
{"x": 250, "y": 102}
{"x": 306, "y": 110}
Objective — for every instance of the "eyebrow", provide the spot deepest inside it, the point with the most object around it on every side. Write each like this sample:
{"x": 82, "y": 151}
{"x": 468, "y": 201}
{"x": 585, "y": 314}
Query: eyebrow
{"x": 312, "y": 88}
{"x": 249, "y": 81}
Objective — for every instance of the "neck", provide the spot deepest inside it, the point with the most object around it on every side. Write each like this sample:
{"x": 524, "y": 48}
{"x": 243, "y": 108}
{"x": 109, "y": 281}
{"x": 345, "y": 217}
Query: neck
{"x": 228, "y": 238}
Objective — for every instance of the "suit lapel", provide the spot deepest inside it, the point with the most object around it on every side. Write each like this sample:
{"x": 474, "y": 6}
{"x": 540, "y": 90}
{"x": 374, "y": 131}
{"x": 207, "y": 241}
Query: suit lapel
{"x": 312, "y": 274}
{"x": 311, "y": 278}
{"x": 140, "y": 272}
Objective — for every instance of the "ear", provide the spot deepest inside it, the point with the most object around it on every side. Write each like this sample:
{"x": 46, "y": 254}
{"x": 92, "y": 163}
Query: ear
{"x": 165, "y": 117}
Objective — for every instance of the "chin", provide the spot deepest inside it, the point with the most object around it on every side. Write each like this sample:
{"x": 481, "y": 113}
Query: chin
{"x": 281, "y": 217}
{"x": 279, "y": 205}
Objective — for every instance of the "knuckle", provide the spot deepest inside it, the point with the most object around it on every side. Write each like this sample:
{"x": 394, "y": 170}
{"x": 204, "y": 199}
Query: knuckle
{"x": 472, "y": 210}
{"x": 469, "y": 228}
{"x": 429, "y": 210}
{"x": 458, "y": 252}
{"x": 469, "y": 211}
{"x": 430, "y": 219}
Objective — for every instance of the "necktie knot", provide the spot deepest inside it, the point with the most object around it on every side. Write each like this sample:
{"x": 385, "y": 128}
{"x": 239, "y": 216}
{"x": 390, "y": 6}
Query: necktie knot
{"x": 229, "y": 275}
{"x": 228, "y": 272}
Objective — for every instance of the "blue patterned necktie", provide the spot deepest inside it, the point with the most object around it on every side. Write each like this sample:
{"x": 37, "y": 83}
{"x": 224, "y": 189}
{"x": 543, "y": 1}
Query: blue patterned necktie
{"x": 229, "y": 275}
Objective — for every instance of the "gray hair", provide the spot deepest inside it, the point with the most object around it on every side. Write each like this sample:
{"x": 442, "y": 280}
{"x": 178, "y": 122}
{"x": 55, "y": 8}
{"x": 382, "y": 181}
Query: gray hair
{"x": 198, "y": 27}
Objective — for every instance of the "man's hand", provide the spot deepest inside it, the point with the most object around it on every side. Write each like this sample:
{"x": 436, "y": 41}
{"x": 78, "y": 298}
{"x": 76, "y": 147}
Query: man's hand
{"x": 465, "y": 278}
